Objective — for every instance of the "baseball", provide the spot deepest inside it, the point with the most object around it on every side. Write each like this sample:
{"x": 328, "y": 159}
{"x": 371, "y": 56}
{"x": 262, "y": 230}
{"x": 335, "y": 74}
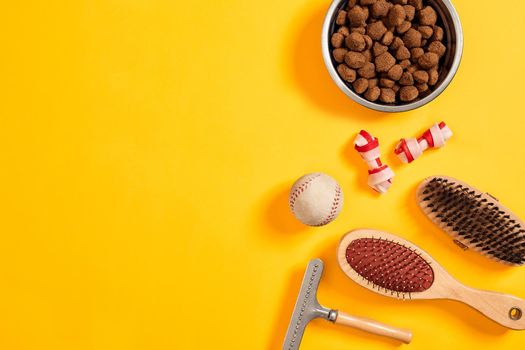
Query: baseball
{"x": 316, "y": 199}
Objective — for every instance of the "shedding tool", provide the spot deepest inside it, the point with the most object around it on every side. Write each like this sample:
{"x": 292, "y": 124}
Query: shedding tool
{"x": 308, "y": 308}
{"x": 394, "y": 267}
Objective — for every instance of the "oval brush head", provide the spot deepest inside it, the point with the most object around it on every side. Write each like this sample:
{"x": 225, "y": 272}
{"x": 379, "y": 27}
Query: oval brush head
{"x": 389, "y": 265}
{"x": 474, "y": 219}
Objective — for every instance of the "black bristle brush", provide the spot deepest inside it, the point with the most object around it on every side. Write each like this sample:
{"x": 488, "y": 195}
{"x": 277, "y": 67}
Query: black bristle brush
{"x": 474, "y": 219}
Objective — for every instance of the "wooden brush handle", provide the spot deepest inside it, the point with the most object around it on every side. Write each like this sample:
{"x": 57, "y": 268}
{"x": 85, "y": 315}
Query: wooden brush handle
{"x": 507, "y": 310}
{"x": 374, "y": 327}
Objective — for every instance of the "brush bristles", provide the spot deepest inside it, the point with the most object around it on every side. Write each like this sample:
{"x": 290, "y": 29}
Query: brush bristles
{"x": 389, "y": 265}
{"x": 478, "y": 222}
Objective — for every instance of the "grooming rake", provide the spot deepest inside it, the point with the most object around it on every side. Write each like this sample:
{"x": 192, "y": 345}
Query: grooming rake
{"x": 473, "y": 219}
{"x": 308, "y": 308}
{"x": 392, "y": 266}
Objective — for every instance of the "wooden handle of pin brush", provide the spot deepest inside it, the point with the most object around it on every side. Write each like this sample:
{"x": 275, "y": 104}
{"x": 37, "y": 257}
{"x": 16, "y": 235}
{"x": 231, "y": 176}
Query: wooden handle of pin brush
{"x": 505, "y": 309}
{"x": 371, "y": 326}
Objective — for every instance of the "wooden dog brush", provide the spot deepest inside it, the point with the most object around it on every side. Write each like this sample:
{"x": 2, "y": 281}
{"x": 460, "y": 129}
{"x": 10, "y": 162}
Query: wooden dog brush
{"x": 392, "y": 266}
{"x": 473, "y": 219}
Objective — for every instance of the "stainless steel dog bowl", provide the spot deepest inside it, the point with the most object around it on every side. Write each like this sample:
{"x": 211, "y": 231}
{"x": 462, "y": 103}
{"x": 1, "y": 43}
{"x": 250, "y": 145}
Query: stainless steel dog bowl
{"x": 453, "y": 40}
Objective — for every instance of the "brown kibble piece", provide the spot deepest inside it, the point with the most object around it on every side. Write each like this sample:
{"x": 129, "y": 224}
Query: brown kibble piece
{"x": 357, "y": 16}
{"x": 355, "y": 59}
{"x": 360, "y": 85}
{"x": 396, "y": 43}
{"x": 339, "y": 54}
{"x": 403, "y": 27}
{"x": 388, "y": 95}
{"x": 433, "y": 76}
{"x": 418, "y": 4}
{"x": 401, "y": 2}
{"x": 410, "y": 12}
{"x": 396, "y": 15}
{"x": 427, "y": 16}
{"x": 369, "y": 42}
{"x": 337, "y": 40}
{"x": 415, "y": 53}
{"x": 412, "y": 69}
{"x": 355, "y": 42}
{"x": 384, "y": 62}
{"x": 421, "y": 76}
{"x": 379, "y": 49}
{"x": 406, "y": 79}
{"x": 352, "y": 3}
{"x": 376, "y": 30}
{"x": 341, "y": 18}
{"x": 368, "y": 55}
{"x": 367, "y": 2}
{"x": 426, "y": 31}
{"x": 405, "y": 64}
{"x": 402, "y": 53}
{"x": 367, "y": 71}
{"x": 438, "y": 33}
{"x": 344, "y": 31}
{"x": 408, "y": 93}
{"x": 372, "y": 82}
{"x": 437, "y": 47}
{"x": 412, "y": 38}
{"x": 380, "y": 8}
{"x": 346, "y": 73}
{"x": 384, "y": 82}
{"x": 395, "y": 72}
{"x": 360, "y": 30}
{"x": 428, "y": 60}
{"x": 421, "y": 87}
{"x": 387, "y": 38}
{"x": 372, "y": 94}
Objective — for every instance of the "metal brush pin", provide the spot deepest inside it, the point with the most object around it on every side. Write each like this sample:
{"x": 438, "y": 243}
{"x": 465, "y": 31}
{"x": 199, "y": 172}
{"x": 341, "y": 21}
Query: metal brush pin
{"x": 308, "y": 308}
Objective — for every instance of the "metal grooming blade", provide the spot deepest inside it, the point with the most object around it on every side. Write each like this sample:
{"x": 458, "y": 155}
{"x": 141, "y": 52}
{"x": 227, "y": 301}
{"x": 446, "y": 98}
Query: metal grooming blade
{"x": 307, "y": 308}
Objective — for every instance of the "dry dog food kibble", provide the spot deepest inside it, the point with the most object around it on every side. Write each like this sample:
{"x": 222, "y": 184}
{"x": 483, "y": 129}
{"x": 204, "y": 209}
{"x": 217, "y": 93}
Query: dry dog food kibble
{"x": 360, "y": 85}
{"x": 348, "y": 74}
{"x": 389, "y": 51}
{"x": 339, "y": 54}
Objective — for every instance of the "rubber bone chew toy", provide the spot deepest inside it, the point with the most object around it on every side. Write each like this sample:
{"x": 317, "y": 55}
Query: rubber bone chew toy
{"x": 410, "y": 149}
{"x": 379, "y": 175}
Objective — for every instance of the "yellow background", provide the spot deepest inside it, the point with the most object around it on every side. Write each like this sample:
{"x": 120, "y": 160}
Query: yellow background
{"x": 147, "y": 148}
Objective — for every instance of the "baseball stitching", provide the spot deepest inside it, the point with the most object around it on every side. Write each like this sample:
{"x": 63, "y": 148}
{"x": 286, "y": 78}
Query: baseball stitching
{"x": 301, "y": 189}
{"x": 335, "y": 205}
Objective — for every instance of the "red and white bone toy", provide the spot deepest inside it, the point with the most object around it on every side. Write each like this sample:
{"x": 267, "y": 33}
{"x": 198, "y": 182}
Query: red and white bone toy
{"x": 379, "y": 175}
{"x": 410, "y": 149}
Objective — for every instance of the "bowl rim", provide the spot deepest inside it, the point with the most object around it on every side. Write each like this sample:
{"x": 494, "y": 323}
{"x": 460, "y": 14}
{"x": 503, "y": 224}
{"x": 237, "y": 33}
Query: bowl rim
{"x": 325, "y": 47}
